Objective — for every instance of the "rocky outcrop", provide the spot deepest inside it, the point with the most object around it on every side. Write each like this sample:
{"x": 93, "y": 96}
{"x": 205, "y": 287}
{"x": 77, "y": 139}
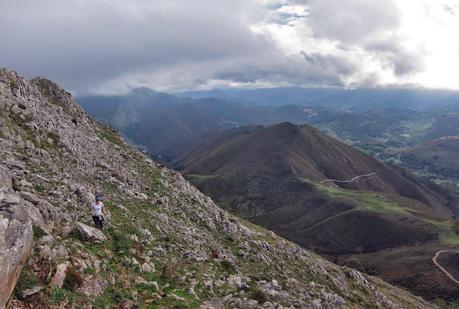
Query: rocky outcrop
{"x": 89, "y": 233}
{"x": 15, "y": 236}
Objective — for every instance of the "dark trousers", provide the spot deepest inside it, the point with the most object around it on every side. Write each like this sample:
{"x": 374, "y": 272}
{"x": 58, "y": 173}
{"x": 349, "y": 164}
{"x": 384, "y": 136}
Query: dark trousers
{"x": 98, "y": 221}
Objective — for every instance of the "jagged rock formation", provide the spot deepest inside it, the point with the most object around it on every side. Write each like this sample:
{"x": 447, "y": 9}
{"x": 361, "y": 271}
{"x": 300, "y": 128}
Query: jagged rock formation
{"x": 15, "y": 236}
{"x": 167, "y": 244}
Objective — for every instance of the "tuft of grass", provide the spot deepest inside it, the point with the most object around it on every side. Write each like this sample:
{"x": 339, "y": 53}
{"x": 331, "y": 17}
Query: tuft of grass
{"x": 258, "y": 295}
{"x": 227, "y": 267}
{"x": 57, "y": 295}
{"x": 354, "y": 263}
{"x": 13, "y": 84}
{"x": 120, "y": 241}
{"x": 39, "y": 188}
{"x": 89, "y": 270}
{"x": 113, "y": 295}
{"x": 27, "y": 280}
{"x": 38, "y": 232}
{"x": 112, "y": 136}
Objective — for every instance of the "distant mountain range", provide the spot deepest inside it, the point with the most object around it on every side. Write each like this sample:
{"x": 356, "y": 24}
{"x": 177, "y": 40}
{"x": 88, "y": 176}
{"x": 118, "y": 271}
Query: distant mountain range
{"x": 169, "y": 125}
{"x": 336, "y": 98}
{"x": 324, "y": 195}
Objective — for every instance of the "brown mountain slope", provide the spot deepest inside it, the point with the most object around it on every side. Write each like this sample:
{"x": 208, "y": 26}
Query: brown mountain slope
{"x": 277, "y": 177}
{"x": 305, "y": 152}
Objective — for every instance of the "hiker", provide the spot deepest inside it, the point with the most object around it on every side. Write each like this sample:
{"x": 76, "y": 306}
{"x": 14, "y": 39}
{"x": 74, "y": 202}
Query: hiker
{"x": 97, "y": 209}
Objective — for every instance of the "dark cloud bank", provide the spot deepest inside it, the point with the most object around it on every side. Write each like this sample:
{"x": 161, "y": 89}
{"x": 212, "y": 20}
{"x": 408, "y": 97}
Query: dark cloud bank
{"x": 170, "y": 44}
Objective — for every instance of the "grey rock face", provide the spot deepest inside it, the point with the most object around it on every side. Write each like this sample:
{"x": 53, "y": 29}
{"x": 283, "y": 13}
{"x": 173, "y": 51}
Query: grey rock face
{"x": 15, "y": 236}
{"x": 30, "y": 292}
{"x": 30, "y": 198}
{"x": 89, "y": 233}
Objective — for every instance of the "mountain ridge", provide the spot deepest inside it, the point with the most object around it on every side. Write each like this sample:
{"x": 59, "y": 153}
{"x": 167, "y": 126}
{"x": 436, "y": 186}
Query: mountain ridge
{"x": 307, "y": 153}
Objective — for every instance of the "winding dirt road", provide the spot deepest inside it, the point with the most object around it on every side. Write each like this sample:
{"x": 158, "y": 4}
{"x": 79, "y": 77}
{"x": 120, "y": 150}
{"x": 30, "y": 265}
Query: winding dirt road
{"x": 434, "y": 260}
{"x": 356, "y": 178}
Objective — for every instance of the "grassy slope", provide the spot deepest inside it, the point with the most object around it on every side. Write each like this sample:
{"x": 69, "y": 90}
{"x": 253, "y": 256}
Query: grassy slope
{"x": 398, "y": 210}
{"x": 395, "y": 205}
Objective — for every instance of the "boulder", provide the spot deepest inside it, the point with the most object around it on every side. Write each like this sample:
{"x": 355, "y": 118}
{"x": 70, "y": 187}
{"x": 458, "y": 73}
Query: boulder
{"x": 5, "y": 180}
{"x": 35, "y": 215}
{"x": 85, "y": 196}
{"x": 59, "y": 276}
{"x": 89, "y": 233}
{"x": 30, "y": 292}
{"x": 147, "y": 268}
{"x": 31, "y": 198}
{"x": 213, "y": 304}
{"x": 94, "y": 287}
{"x": 15, "y": 237}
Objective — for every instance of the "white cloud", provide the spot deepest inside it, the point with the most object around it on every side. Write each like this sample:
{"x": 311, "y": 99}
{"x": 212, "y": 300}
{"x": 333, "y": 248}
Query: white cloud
{"x": 114, "y": 45}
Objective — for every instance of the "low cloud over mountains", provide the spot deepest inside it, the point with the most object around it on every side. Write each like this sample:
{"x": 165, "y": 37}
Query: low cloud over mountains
{"x": 113, "y": 46}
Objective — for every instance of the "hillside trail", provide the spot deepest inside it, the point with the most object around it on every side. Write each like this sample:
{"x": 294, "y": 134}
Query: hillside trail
{"x": 354, "y": 179}
{"x": 434, "y": 260}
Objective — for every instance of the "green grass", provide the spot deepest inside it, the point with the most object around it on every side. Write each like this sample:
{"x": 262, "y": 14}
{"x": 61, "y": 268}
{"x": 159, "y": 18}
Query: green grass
{"x": 112, "y": 136}
{"x": 198, "y": 179}
{"x": 57, "y": 295}
{"x": 27, "y": 280}
{"x": 386, "y": 205}
{"x": 39, "y": 188}
{"x": 367, "y": 200}
{"x": 38, "y": 232}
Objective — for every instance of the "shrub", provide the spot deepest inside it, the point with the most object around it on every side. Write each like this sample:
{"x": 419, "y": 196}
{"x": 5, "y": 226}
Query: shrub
{"x": 89, "y": 270}
{"x": 27, "y": 280}
{"x": 38, "y": 231}
{"x": 121, "y": 243}
{"x": 57, "y": 295}
{"x": 258, "y": 296}
{"x": 228, "y": 267}
{"x": 354, "y": 263}
{"x": 39, "y": 188}
{"x": 13, "y": 84}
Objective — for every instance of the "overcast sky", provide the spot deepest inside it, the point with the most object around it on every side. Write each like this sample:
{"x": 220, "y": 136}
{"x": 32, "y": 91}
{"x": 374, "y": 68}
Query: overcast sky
{"x": 111, "y": 46}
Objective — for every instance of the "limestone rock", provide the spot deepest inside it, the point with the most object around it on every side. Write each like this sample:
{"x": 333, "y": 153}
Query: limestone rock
{"x": 89, "y": 233}
{"x": 148, "y": 268}
{"x": 30, "y": 292}
{"x": 15, "y": 236}
{"x": 30, "y": 198}
{"x": 59, "y": 276}
{"x": 94, "y": 287}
